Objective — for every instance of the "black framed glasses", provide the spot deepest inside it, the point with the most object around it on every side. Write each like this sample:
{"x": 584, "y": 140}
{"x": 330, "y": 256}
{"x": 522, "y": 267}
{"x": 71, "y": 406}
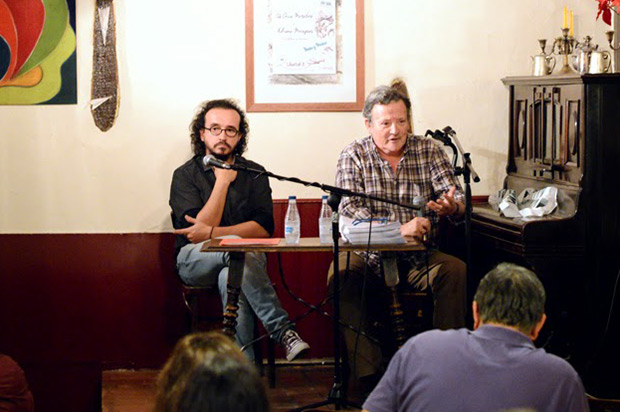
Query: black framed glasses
{"x": 216, "y": 131}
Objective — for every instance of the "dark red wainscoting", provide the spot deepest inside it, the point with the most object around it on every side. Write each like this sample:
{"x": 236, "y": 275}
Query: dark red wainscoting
{"x": 74, "y": 304}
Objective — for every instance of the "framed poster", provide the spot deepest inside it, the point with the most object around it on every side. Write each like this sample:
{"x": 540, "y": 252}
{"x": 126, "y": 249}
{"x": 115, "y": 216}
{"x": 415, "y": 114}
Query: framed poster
{"x": 304, "y": 55}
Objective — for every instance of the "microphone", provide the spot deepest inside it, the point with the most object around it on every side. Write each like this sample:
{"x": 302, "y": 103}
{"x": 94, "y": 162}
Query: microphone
{"x": 449, "y": 131}
{"x": 210, "y": 160}
{"x": 418, "y": 202}
{"x": 439, "y": 135}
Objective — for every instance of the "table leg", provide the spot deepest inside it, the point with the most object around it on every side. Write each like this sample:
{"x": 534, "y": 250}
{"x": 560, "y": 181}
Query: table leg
{"x": 390, "y": 273}
{"x": 235, "y": 277}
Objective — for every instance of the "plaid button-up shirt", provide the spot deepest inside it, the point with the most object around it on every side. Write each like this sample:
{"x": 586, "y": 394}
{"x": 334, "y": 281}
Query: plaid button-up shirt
{"x": 424, "y": 170}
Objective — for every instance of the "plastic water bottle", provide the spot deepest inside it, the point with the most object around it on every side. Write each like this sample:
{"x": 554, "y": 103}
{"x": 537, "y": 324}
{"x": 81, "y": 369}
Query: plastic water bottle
{"x": 292, "y": 222}
{"x": 325, "y": 222}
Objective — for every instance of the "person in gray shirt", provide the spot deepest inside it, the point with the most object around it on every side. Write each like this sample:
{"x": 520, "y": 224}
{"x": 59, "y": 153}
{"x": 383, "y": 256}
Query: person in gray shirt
{"x": 493, "y": 368}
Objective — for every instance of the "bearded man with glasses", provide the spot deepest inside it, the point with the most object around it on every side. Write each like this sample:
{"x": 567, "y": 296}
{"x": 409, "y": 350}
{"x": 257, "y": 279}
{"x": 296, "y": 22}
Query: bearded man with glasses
{"x": 210, "y": 203}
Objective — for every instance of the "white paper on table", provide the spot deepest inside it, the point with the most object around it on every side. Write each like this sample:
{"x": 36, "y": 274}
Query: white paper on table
{"x": 380, "y": 232}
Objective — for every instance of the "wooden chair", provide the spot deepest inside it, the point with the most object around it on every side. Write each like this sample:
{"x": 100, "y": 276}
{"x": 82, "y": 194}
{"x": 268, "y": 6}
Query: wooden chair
{"x": 603, "y": 405}
{"x": 410, "y": 311}
{"x": 418, "y": 311}
{"x": 205, "y": 309}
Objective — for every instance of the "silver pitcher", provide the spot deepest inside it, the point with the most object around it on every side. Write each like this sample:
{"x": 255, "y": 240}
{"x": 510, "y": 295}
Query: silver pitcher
{"x": 581, "y": 61}
{"x": 543, "y": 64}
{"x": 600, "y": 62}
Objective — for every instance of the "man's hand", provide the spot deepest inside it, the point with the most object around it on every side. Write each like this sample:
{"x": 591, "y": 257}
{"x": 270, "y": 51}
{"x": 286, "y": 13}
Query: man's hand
{"x": 418, "y": 228}
{"x": 224, "y": 175}
{"x": 197, "y": 232}
{"x": 445, "y": 205}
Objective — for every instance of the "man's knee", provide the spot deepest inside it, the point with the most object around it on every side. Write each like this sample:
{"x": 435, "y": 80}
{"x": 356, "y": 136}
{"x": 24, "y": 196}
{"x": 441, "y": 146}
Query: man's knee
{"x": 349, "y": 265}
{"x": 255, "y": 259}
{"x": 453, "y": 271}
{"x": 456, "y": 268}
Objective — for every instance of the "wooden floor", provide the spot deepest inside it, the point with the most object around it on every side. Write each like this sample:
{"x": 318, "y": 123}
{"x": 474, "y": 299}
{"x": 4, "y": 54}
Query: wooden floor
{"x": 296, "y": 386}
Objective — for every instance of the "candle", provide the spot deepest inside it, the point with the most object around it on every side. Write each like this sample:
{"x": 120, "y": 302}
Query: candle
{"x": 571, "y": 33}
{"x": 564, "y": 18}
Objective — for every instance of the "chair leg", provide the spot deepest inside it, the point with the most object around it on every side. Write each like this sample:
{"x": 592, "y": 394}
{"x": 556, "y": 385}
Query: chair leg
{"x": 258, "y": 348}
{"x": 271, "y": 364}
{"x": 194, "y": 299}
{"x": 258, "y": 356}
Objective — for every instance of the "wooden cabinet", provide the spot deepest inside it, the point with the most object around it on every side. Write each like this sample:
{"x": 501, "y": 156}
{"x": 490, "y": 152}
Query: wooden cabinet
{"x": 546, "y": 131}
{"x": 564, "y": 131}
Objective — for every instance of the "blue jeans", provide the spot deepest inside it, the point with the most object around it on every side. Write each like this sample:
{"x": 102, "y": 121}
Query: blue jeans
{"x": 198, "y": 268}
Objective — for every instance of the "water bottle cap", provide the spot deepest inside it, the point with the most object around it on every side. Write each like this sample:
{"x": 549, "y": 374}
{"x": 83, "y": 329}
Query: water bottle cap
{"x": 324, "y": 197}
{"x": 292, "y": 197}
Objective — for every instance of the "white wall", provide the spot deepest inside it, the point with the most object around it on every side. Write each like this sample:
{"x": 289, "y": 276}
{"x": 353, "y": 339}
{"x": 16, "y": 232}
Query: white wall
{"x": 60, "y": 174}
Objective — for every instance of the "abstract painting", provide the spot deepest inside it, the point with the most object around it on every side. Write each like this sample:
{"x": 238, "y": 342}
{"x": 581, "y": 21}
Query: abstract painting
{"x": 37, "y": 52}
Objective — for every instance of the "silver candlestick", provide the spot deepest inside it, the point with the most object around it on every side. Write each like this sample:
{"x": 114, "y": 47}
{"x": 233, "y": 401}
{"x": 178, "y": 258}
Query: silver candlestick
{"x": 565, "y": 45}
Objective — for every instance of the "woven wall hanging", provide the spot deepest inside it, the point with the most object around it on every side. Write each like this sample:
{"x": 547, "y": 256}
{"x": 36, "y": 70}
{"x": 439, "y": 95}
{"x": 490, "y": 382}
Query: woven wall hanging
{"x": 105, "y": 97}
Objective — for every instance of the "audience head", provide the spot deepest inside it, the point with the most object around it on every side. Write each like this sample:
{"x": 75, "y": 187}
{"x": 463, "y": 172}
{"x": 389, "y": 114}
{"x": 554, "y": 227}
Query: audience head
{"x": 15, "y": 395}
{"x": 512, "y": 296}
{"x": 198, "y": 124}
{"x": 208, "y": 373}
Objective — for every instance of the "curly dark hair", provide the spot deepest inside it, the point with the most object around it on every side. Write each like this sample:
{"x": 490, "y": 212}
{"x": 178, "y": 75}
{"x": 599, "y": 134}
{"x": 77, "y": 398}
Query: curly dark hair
{"x": 198, "y": 123}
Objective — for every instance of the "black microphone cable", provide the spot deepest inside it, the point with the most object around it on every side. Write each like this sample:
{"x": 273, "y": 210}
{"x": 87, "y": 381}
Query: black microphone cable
{"x": 312, "y": 307}
{"x": 363, "y": 297}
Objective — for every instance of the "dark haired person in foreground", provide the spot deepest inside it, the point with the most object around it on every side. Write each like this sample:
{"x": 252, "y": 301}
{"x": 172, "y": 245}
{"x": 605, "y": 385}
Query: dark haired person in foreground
{"x": 209, "y": 202}
{"x": 494, "y": 368}
{"x": 207, "y": 373}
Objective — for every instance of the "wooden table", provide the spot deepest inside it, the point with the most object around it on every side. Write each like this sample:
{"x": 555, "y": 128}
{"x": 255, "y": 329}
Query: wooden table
{"x": 312, "y": 244}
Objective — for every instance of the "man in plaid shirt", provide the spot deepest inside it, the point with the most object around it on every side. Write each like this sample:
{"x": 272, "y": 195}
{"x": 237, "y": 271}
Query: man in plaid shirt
{"x": 395, "y": 164}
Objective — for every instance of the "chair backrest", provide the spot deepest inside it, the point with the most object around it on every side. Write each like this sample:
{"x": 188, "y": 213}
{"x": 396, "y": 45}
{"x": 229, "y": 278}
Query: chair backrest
{"x": 204, "y": 305}
{"x": 418, "y": 311}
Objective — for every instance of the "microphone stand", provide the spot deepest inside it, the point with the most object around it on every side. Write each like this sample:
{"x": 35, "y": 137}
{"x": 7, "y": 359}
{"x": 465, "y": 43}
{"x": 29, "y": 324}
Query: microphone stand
{"x": 337, "y": 394}
{"x": 326, "y": 188}
{"x": 467, "y": 171}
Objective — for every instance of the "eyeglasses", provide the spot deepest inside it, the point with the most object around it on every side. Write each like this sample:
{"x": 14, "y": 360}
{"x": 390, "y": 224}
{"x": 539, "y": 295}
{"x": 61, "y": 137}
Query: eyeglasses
{"x": 216, "y": 131}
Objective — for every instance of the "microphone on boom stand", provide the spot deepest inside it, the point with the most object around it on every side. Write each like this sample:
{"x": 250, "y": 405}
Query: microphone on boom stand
{"x": 210, "y": 160}
{"x": 439, "y": 135}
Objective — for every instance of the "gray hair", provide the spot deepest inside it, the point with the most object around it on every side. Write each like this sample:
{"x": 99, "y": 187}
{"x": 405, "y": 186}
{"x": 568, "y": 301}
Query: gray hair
{"x": 511, "y": 295}
{"x": 384, "y": 95}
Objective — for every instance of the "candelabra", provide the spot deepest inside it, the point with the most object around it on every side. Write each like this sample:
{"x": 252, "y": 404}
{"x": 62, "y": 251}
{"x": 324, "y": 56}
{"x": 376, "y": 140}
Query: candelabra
{"x": 543, "y": 45}
{"x": 610, "y": 40}
{"x": 565, "y": 45}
